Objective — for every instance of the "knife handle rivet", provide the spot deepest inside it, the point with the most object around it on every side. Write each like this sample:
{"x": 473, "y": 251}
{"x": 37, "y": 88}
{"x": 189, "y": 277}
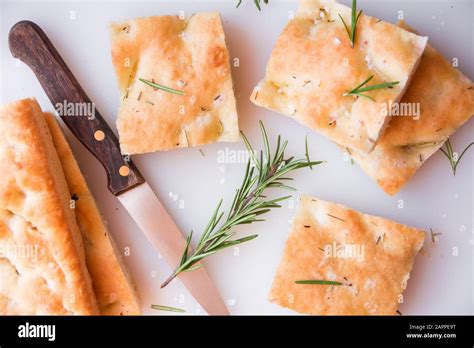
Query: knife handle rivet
{"x": 124, "y": 171}
{"x": 99, "y": 135}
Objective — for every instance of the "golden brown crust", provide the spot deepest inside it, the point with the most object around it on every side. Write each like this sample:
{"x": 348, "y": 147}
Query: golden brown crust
{"x": 189, "y": 55}
{"x": 42, "y": 269}
{"x": 112, "y": 285}
{"x": 374, "y": 270}
{"x": 313, "y": 64}
{"x": 446, "y": 100}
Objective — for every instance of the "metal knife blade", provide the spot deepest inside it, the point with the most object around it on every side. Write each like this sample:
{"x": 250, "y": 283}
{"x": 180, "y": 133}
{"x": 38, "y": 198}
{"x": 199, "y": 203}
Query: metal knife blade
{"x": 162, "y": 232}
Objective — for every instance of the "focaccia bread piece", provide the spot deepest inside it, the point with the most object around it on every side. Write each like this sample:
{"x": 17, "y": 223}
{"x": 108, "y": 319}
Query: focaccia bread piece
{"x": 42, "y": 263}
{"x": 110, "y": 279}
{"x": 445, "y": 98}
{"x": 187, "y": 55}
{"x": 371, "y": 256}
{"x": 313, "y": 65}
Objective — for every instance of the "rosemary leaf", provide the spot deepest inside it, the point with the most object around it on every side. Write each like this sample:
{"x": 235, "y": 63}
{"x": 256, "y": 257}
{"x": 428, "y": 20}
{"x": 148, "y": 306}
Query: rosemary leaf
{"x": 167, "y": 308}
{"x": 317, "y": 282}
{"x": 193, "y": 268}
{"x": 163, "y": 88}
{"x": 379, "y": 86}
{"x": 185, "y": 253}
{"x": 307, "y": 152}
{"x": 360, "y": 89}
{"x": 186, "y": 22}
{"x": 349, "y": 152}
{"x": 421, "y": 144}
{"x": 249, "y": 204}
{"x": 354, "y": 19}
{"x": 256, "y": 2}
{"x": 434, "y": 235}
{"x": 335, "y": 217}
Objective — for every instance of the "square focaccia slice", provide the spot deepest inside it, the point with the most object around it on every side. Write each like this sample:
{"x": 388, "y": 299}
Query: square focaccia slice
{"x": 188, "y": 56}
{"x": 369, "y": 258}
{"x": 313, "y": 65}
{"x": 439, "y": 100}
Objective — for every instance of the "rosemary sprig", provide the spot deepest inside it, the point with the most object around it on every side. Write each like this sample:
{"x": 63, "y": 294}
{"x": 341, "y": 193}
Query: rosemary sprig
{"x": 163, "y": 88}
{"x": 360, "y": 89}
{"x": 256, "y": 2}
{"x": 167, "y": 308}
{"x": 354, "y": 20}
{"x": 318, "y": 282}
{"x": 452, "y": 156}
{"x": 249, "y": 203}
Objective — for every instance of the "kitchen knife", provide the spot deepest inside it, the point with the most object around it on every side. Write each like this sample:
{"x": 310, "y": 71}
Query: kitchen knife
{"x": 30, "y": 44}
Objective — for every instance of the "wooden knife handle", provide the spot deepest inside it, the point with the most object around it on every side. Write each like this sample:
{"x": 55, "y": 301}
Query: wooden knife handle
{"x": 31, "y": 45}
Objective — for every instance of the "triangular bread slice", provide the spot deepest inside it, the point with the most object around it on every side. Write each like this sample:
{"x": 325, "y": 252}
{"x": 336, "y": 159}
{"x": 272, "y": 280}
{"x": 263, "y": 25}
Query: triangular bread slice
{"x": 446, "y": 101}
{"x": 42, "y": 263}
{"x": 313, "y": 65}
{"x": 188, "y": 55}
{"x": 110, "y": 279}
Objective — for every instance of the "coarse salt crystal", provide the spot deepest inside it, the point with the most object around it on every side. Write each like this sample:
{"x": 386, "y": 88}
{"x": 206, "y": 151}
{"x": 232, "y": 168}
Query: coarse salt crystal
{"x": 368, "y": 60}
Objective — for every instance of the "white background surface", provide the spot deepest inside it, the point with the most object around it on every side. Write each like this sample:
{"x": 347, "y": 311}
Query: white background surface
{"x": 440, "y": 282}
